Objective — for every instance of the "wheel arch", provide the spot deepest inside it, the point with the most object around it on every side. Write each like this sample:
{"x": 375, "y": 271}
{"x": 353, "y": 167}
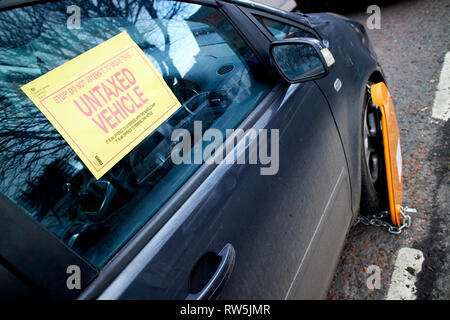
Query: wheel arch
{"x": 376, "y": 76}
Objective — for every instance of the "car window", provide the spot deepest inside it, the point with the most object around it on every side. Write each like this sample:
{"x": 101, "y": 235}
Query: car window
{"x": 282, "y": 31}
{"x": 211, "y": 70}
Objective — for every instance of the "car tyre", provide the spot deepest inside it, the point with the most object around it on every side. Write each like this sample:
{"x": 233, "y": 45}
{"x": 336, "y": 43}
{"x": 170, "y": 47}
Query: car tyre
{"x": 374, "y": 198}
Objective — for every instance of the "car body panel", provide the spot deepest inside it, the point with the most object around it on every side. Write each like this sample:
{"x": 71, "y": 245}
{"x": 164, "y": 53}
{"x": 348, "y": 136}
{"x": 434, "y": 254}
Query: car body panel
{"x": 355, "y": 64}
{"x": 22, "y": 262}
{"x": 275, "y": 228}
{"x": 287, "y": 229}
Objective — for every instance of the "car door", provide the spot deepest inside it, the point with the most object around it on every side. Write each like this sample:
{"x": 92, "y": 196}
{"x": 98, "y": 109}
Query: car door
{"x": 154, "y": 229}
{"x": 282, "y": 232}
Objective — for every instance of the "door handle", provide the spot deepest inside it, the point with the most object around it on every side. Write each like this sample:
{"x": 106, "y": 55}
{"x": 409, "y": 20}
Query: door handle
{"x": 220, "y": 276}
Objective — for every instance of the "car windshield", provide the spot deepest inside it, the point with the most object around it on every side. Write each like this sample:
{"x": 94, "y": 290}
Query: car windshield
{"x": 203, "y": 60}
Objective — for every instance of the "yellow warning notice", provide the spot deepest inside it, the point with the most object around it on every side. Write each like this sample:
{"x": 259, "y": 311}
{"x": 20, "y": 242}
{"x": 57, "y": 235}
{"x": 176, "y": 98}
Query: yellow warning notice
{"x": 105, "y": 101}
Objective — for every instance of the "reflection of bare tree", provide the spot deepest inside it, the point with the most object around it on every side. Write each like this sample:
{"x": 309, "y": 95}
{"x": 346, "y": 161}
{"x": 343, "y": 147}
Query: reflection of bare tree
{"x": 26, "y": 141}
{"x": 12, "y": 22}
{"x": 34, "y": 40}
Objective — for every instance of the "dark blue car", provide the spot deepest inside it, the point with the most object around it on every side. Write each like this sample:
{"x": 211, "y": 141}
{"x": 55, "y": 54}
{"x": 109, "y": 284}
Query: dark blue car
{"x": 297, "y": 154}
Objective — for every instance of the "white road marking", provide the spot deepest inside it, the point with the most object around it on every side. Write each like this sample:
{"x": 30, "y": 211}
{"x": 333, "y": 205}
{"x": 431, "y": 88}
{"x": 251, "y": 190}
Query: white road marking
{"x": 403, "y": 282}
{"x": 441, "y": 107}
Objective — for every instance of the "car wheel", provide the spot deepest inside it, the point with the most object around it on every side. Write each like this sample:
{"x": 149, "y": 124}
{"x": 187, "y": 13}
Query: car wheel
{"x": 374, "y": 197}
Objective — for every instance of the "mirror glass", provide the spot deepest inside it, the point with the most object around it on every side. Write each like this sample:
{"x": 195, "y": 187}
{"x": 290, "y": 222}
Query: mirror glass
{"x": 298, "y": 60}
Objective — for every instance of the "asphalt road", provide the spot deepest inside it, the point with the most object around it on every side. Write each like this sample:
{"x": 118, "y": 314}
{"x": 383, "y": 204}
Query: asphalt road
{"x": 411, "y": 46}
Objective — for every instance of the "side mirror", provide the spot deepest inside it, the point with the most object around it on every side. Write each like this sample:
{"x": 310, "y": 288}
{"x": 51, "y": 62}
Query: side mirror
{"x": 301, "y": 59}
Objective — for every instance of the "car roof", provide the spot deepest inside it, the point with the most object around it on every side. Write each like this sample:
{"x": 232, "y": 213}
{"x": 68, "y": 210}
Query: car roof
{"x": 252, "y": 4}
{"x": 247, "y": 3}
